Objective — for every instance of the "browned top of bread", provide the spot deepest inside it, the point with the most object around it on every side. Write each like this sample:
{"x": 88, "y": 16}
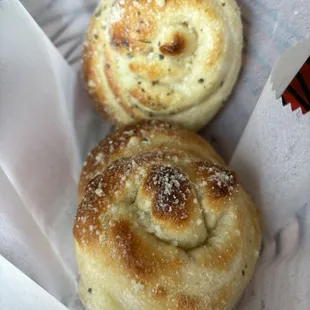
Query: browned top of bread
{"x": 140, "y": 137}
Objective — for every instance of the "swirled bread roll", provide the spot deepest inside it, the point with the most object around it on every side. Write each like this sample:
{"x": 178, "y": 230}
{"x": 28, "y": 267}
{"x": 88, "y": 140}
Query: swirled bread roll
{"x": 163, "y": 224}
{"x": 174, "y": 60}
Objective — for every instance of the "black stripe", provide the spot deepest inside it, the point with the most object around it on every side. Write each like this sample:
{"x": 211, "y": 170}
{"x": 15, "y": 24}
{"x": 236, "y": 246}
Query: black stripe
{"x": 303, "y": 86}
{"x": 293, "y": 92}
{"x": 308, "y": 61}
{"x": 284, "y": 102}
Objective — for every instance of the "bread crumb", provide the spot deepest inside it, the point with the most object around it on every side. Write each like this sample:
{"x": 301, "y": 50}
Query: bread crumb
{"x": 136, "y": 286}
{"x": 101, "y": 239}
{"x": 161, "y": 3}
{"x": 92, "y": 227}
{"x": 133, "y": 141}
{"x": 99, "y": 192}
{"x": 175, "y": 243}
{"x": 91, "y": 84}
{"x": 99, "y": 158}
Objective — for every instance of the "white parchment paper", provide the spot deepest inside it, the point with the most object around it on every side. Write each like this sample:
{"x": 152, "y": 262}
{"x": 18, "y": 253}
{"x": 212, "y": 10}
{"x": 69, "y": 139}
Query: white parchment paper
{"x": 272, "y": 161}
{"x": 22, "y": 293}
{"x": 47, "y": 125}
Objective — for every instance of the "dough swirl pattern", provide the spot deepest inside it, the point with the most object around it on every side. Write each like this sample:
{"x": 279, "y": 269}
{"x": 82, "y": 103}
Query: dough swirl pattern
{"x": 174, "y": 60}
{"x": 162, "y": 224}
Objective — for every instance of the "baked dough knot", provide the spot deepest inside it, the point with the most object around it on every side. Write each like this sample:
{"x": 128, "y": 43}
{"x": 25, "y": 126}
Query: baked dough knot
{"x": 163, "y": 223}
{"x": 174, "y": 60}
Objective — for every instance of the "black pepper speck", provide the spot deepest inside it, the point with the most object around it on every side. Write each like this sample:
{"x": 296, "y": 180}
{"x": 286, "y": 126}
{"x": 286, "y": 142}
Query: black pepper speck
{"x": 97, "y": 14}
{"x": 125, "y": 44}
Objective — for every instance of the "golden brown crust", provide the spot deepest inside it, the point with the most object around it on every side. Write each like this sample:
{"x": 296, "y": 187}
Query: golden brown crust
{"x": 187, "y": 302}
{"x": 132, "y": 252}
{"x": 159, "y": 292}
{"x": 170, "y": 193}
{"x": 164, "y": 224}
{"x": 176, "y": 47}
{"x": 221, "y": 181}
{"x": 143, "y": 136}
{"x": 185, "y": 66}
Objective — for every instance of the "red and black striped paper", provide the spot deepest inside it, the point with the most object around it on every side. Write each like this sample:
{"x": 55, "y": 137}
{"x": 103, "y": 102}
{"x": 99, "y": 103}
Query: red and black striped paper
{"x": 297, "y": 94}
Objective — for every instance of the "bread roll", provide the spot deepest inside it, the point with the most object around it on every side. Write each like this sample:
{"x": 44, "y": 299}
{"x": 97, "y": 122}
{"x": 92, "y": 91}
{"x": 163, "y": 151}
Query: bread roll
{"x": 163, "y": 224}
{"x": 175, "y": 60}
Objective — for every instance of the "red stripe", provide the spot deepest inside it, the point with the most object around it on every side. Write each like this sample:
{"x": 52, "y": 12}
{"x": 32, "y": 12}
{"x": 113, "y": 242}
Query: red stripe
{"x": 289, "y": 98}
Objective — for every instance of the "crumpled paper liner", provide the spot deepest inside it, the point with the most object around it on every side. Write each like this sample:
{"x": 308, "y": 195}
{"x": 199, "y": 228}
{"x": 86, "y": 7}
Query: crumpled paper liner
{"x": 272, "y": 161}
